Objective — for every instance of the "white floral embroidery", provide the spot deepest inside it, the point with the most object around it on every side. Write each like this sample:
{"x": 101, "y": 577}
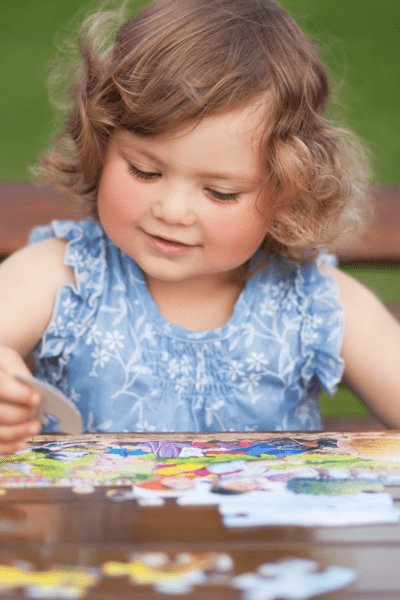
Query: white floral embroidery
{"x": 94, "y": 335}
{"x": 69, "y": 306}
{"x": 248, "y": 382}
{"x": 74, "y": 396}
{"x": 149, "y": 334}
{"x": 235, "y": 368}
{"x": 145, "y": 426}
{"x": 256, "y": 362}
{"x": 212, "y": 414}
{"x": 56, "y": 325}
{"x": 268, "y": 307}
{"x": 185, "y": 365}
{"x": 77, "y": 260}
{"x": 101, "y": 356}
{"x": 173, "y": 368}
{"x": 114, "y": 340}
{"x": 181, "y": 385}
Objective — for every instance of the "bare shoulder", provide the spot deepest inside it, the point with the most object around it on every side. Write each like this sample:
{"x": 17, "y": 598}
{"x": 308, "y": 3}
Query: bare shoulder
{"x": 51, "y": 250}
{"x": 370, "y": 348}
{"x": 352, "y": 293}
{"x": 365, "y": 314}
{"x": 29, "y": 280}
{"x": 41, "y": 263}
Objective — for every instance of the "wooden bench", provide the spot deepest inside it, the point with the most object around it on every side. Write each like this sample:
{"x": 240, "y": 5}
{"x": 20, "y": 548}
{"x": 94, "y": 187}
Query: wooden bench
{"x": 381, "y": 245}
{"x": 22, "y": 207}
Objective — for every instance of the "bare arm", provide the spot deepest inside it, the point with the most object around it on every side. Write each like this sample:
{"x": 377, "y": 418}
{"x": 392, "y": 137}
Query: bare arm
{"x": 29, "y": 281}
{"x": 371, "y": 350}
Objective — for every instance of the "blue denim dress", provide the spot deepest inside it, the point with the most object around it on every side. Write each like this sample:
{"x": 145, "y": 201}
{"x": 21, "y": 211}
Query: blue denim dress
{"x": 108, "y": 348}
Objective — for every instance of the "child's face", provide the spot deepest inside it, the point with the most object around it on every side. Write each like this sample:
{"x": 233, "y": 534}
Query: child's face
{"x": 189, "y": 204}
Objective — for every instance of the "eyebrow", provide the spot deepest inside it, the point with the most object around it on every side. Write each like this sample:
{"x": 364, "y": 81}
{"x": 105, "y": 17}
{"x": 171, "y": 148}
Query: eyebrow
{"x": 238, "y": 177}
{"x": 228, "y": 176}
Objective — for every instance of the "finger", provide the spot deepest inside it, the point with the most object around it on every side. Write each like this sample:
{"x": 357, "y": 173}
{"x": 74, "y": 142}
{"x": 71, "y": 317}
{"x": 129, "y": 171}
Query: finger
{"x": 13, "y": 413}
{"x": 13, "y": 390}
{"x": 12, "y": 448}
{"x": 14, "y": 443}
{"x": 16, "y": 434}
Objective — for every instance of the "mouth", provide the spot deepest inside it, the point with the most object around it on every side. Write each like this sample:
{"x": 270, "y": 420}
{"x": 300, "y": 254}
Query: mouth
{"x": 169, "y": 241}
{"x": 167, "y": 245}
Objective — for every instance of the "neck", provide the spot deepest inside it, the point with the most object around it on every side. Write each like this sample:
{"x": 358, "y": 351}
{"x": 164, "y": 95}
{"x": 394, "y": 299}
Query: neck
{"x": 201, "y": 304}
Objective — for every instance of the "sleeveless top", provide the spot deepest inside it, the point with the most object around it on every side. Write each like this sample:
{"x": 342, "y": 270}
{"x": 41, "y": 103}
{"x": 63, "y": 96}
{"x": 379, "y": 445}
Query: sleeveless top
{"x": 126, "y": 368}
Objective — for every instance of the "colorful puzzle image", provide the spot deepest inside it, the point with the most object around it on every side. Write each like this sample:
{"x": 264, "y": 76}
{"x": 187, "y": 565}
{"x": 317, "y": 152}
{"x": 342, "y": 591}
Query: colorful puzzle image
{"x": 166, "y": 465}
{"x": 245, "y": 478}
{"x": 387, "y": 449}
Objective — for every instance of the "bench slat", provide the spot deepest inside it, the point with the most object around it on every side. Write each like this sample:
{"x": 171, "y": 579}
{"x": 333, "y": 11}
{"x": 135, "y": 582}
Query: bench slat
{"x": 22, "y": 207}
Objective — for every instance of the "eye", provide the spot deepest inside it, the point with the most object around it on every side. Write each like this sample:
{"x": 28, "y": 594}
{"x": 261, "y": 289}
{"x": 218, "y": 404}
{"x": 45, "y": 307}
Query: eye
{"x": 224, "y": 197}
{"x": 147, "y": 175}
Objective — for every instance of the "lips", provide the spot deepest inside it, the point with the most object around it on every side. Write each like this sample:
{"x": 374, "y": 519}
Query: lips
{"x": 169, "y": 241}
{"x": 167, "y": 245}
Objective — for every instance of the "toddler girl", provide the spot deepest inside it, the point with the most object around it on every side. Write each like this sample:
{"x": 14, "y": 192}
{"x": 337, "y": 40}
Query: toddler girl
{"x": 198, "y": 294}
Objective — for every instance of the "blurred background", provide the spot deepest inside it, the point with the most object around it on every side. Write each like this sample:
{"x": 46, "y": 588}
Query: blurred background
{"x": 359, "y": 43}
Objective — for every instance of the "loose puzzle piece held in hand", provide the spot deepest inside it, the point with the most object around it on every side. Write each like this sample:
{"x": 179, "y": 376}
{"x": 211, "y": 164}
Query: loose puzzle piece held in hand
{"x": 56, "y": 404}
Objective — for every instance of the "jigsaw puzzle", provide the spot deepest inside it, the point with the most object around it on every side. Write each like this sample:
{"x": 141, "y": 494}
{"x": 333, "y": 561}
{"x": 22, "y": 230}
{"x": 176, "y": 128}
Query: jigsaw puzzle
{"x": 339, "y": 479}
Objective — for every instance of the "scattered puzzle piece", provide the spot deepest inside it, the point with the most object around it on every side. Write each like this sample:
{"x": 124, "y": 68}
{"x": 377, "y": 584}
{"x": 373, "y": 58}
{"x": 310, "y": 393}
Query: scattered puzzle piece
{"x": 295, "y": 579}
{"x": 64, "y": 582}
{"x": 155, "y": 568}
{"x": 292, "y": 579}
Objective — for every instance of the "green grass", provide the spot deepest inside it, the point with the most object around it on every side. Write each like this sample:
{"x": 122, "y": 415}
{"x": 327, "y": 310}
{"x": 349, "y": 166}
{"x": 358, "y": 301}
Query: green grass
{"x": 342, "y": 404}
{"x": 359, "y": 42}
{"x": 384, "y": 281}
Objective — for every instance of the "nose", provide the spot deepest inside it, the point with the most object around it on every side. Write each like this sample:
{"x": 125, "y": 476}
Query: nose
{"x": 175, "y": 207}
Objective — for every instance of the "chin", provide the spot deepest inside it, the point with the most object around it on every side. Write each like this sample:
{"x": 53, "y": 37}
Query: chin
{"x": 162, "y": 274}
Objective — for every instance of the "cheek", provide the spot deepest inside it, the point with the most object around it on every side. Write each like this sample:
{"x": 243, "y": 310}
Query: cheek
{"x": 256, "y": 221}
{"x": 244, "y": 229}
{"x": 120, "y": 197}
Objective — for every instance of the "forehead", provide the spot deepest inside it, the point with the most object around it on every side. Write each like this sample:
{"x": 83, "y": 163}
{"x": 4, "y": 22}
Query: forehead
{"x": 238, "y": 131}
{"x": 244, "y": 123}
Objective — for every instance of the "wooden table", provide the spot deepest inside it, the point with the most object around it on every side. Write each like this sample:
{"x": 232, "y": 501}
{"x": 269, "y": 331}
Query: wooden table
{"x": 50, "y": 526}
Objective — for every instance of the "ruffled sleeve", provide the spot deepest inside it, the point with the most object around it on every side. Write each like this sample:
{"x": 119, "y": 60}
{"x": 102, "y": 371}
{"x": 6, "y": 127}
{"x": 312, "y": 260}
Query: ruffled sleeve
{"x": 75, "y": 305}
{"x": 323, "y": 326}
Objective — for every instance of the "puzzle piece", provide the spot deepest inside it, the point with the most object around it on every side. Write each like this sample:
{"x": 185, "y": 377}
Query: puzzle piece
{"x": 167, "y": 576}
{"x": 61, "y": 582}
{"x": 295, "y": 579}
{"x": 56, "y": 404}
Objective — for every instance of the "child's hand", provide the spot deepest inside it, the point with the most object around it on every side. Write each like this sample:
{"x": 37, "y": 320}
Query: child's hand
{"x": 17, "y": 403}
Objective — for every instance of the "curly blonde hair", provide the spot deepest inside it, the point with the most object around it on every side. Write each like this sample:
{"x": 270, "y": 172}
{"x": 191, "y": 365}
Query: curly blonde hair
{"x": 179, "y": 61}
